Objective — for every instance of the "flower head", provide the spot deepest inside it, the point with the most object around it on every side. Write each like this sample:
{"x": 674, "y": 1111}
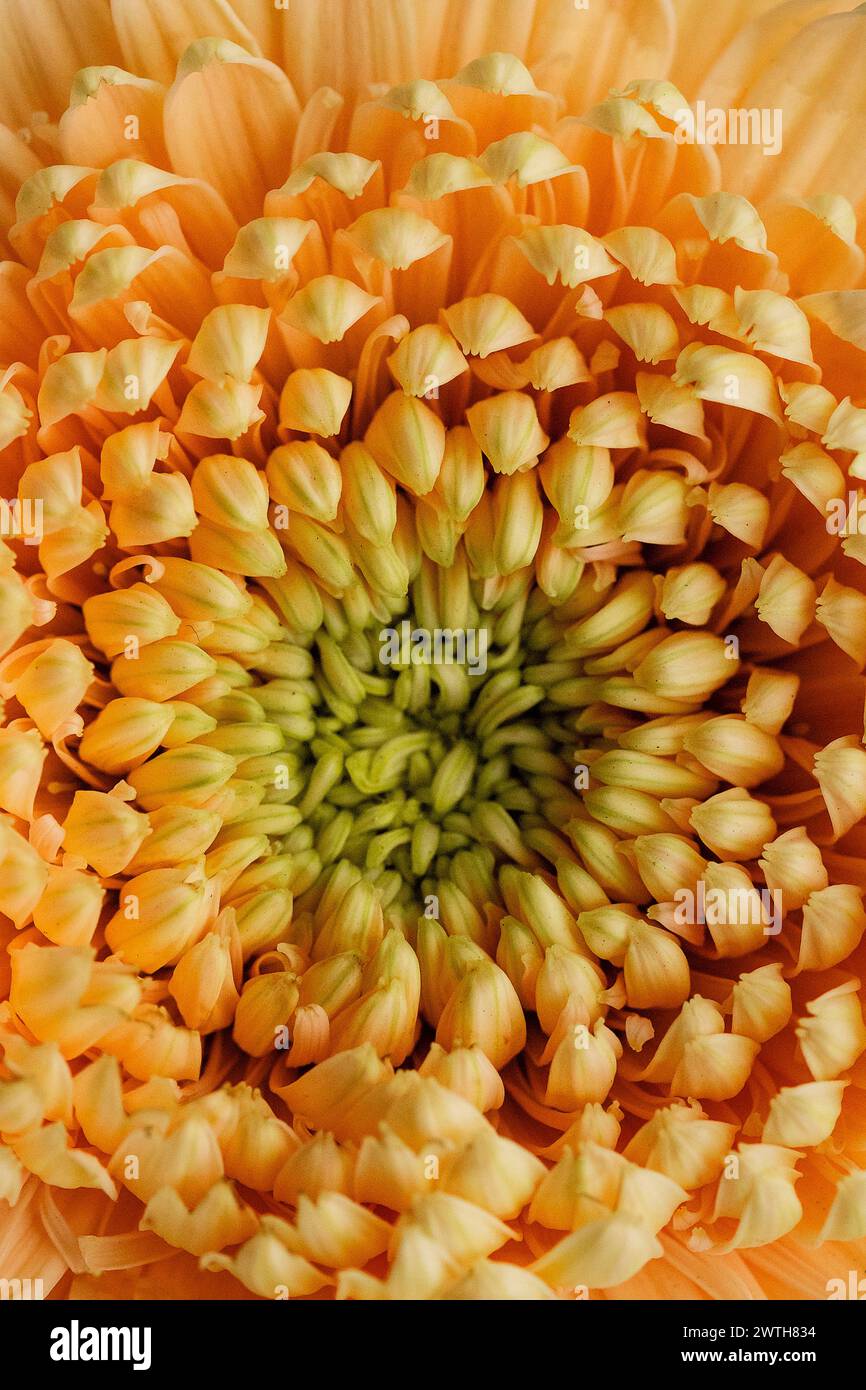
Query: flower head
{"x": 431, "y": 766}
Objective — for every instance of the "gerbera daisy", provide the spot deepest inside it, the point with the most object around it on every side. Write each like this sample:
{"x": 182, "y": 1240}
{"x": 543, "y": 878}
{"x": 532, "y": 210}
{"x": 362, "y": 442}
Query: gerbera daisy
{"x": 432, "y": 614}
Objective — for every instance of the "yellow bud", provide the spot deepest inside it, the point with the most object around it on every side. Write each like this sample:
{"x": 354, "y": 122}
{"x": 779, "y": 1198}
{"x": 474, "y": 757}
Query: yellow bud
{"x": 668, "y": 863}
{"x": 466, "y": 1231}
{"x": 188, "y": 722}
{"x": 355, "y": 925}
{"x": 187, "y": 1159}
{"x": 427, "y": 357}
{"x": 397, "y": 236}
{"x": 566, "y": 253}
{"x": 315, "y": 401}
{"x": 833, "y": 1036}
{"x": 162, "y": 670}
{"x": 388, "y": 1172}
{"x": 230, "y": 492}
{"x": 161, "y": 914}
{"x": 531, "y": 899}
{"x": 733, "y": 824}
{"x": 520, "y": 955}
{"x": 847, "y": 1216}
{"x": 259, "y": 1145}
{"x": 761, "y": 1003}
{"x": 656, "y": 969}
{"x": 649, "y": 1196}
{"x": 124, "y": 734}
{"x": 460, "y": 483}
{"x": 743, "y": 511}
{"x": 203, "y": 983}
{"x": 469, "y": 1072}
{"x": 741, "y": 753}
{"x": 22, "y": 755}
{"x": 487, "y": 323}
{"x": 607, "y": 931}
{"x": 185, "y": 776}
{"x": 518, "y": 515}
{"x": 506, "y": 429}
{"x": 583, "y": 1063}
{"x": 840, "y": 771}
{"x": 793, "y": 866}
{"x": 265, "y": 1267}
{"x": 198, "y": 592}
{"x": 425, "y": 1112}
{"x": 266, "y": 1005}
{"x": 622, "y": 616}
{"x": 484, "y": 1011}
{"x": 98, "y": 1102}
{"x": 219, "y": 1219}
{"x": 833, "y": 925}
{"x": 653, "y": 507}
{"x": 223, "y": 409}
{"x": 567, "y": 977}
{"x": 324, "y": 552}
{"x": 687, "y": 666}
{"x": 23, "y": 875}
{"x": 408, "y": 441}
{"x": 320, "y": 1165}
{"x": 803, "y": 1116}
{"x": 628, "y": 812}
{"x": 737, "y": 918}
{"x": 384, "y": 1017}
{"x": 326, "y": 307}
{"x": 335, "y": 1231}
{"x": 159, "y": 508}
{"x": 229, "y": 343}
{"x": 152, "y": 1045}
{"x": 69, "y": 909}
{"x": 47, "y": 989}
{"x": 104, "y": 830}
{"x": 494, "y": 1173}
{"x": 263, "y": 920}
{"x": 786, "y": 600}
{"x": 600, "y": 1255}
{"x": 264, "y": 245}
{"x": 124, "y": 619}
{"x": 305, "y": 477}
{"x": 494, "y": 1280}
{"x": 47, "y": 1153}
{"x": 762, "y": 1196}
{"x": 716, "y": 1067}
{"x": 53, "y": 685}
{"x": 644, "y": 772}
{"x": 842, "y": 611}
{"x": 248, "y": 552}
{"x": 368, "y": 495}
{"x": 323, "y": 1095}
{"x": 177, "y": 834}
{"x": 683, "y": 1143}
{"x": 689, "y": 593}
{"x": 582, "y": 1187}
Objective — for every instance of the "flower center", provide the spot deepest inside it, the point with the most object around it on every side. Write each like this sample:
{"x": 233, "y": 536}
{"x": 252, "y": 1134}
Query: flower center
{"x": 416, "y": 739}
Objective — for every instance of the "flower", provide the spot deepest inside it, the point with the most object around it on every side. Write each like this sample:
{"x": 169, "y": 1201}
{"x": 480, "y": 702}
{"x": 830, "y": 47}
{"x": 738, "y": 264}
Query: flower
{"x": 431, "y": 768}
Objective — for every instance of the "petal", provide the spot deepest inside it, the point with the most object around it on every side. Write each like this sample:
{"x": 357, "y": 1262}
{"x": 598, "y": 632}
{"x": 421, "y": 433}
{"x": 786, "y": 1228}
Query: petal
{"x": 224, "y": 99}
